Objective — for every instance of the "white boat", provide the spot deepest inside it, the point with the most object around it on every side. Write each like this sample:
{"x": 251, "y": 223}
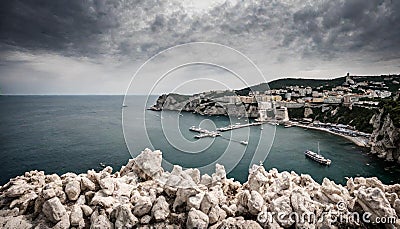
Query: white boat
{"x": 317, "y": 157}
{"x": 244, "y": 142}
{"x": 124, "y": 105}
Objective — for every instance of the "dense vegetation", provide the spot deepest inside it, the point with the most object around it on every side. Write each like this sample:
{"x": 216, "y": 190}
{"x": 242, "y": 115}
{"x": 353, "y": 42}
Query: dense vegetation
{"x": 391, "y": 107}
{"x": 326, "y": 83}
{"x": 358, "y": 117}
{"x": 282, "y": 83}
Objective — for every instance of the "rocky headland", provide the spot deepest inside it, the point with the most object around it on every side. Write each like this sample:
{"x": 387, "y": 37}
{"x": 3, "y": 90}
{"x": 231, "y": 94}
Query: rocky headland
{"x": 385, "y": 139}
{"x": 143, "y": 195}
{"x": 209, "y": 105}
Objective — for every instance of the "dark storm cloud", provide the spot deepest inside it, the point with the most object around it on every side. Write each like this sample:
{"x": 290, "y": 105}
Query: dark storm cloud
{"x": 141, "y": 28}
{"x": 348, "y": 26}
{"x": 51, "y": 25}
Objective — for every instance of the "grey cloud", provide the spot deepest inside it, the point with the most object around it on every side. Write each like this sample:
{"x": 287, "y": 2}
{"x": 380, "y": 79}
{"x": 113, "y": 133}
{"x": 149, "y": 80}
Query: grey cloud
{"x": 286, "y": 31}
{"x": 142, "y": 28}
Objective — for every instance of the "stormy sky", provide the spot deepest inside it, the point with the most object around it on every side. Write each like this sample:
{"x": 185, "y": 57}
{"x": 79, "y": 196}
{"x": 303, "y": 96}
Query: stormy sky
{"x": 95, "y": 47}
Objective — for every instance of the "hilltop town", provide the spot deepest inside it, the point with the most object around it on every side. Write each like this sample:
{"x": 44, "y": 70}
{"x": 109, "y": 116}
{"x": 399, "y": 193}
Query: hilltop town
{"x": 276, "y": 102}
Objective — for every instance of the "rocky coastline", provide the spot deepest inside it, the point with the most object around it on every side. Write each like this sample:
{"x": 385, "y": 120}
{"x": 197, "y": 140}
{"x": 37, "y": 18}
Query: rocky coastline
{"x": 143, "y": 195}
{"x": 385, "y": 139}
{"x": 204, "y": 106}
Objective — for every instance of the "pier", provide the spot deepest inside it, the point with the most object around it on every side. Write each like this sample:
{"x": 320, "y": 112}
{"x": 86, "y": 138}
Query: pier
{"x": 204, "y": 133}
{"x": 237, "y": 126}
{"x": 213, "y": 134}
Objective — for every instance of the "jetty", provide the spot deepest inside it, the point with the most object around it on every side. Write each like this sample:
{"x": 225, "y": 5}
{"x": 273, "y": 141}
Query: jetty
{"x": 238, "y": 126}
{"x": 204, "y": 133}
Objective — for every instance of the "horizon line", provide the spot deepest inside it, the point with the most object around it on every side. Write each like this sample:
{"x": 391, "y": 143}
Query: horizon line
{"x": 81, "y": 94}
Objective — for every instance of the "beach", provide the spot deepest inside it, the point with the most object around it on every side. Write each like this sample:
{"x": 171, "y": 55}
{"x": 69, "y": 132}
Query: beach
{"x": 359, "y": 141}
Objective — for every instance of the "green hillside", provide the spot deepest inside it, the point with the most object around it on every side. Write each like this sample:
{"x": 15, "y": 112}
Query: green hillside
{"x": 326, "y": 83}
{"x": 282, "y": 83}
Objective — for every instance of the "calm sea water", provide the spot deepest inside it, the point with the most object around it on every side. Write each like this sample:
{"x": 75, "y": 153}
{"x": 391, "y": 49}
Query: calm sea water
{"x": 61, "y": 134}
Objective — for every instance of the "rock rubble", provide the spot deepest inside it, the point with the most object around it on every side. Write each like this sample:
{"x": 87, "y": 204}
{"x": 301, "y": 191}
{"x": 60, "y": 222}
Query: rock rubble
{"x": 143, "y": 195}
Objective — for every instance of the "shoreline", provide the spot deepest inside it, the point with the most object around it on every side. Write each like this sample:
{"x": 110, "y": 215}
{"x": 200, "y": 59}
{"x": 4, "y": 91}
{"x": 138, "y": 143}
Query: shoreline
{"x": 359, "y": 141}
{"x": 356, "y": 140}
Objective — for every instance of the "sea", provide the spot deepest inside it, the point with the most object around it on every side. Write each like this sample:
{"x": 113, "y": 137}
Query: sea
{"x": 59, "y": 134}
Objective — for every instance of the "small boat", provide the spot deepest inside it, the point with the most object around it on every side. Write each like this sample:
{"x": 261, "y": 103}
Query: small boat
{"x": 261, "y": 127}
{"x": 124, "y": 105}
{"x": 317, "y": 157}
{"x": 244, "y": 142}
{"x": 102, "y": 164}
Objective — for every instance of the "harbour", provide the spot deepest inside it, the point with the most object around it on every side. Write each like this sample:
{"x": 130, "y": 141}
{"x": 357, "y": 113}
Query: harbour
{"x": 99, "y": 117}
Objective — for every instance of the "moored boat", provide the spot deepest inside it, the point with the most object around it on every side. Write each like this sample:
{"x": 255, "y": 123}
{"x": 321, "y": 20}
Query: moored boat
{"x": 317, "y": 157}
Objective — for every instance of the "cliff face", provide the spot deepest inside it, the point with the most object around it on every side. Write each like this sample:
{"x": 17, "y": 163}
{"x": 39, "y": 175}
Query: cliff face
{"x": 143, "y": 195}
{"x": 204, "y": 106}
{"x": 385, "y": 138}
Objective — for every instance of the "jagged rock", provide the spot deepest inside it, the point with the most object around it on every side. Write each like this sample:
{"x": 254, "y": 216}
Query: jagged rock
{"x": 216, "y": 214}
{"x": 87, "y": 184}
{"x": 18, "y": 188}
{"x": 206, "y": 180}
{"x": 145, "y": 219}
{"x": 81, "y": 200}
{"x": 194, "y": 174}
{"x": 73, "y": 189}
{"x": 160, "y": 210}
{"x": 396, "y": 206}
{"x": 48, "y": 193}
{"x": 53, "y": 209}
{"x": 195, "y": 201}
{"x": 124, "y": 217}
{"x": 147, "y": 165}
{"x": 87, "y": 211}
{"x": 142, "y": 206}
{"x": 100, "y": 221}
{"x": 230, "y": 210}
{"x": 219, "y": 174}
{"x": 196, "y": 219}
{"x": 373, "y": 200}
{"x": 64, "y": 223}
{"x": 102, "y": 199}
{"x": 257, "y": 179}
{"x": 238, "y": 222}
{"x": 107, "y": 185}
{"x": 53, "y": 178}
{"x": 97, "y": 199}
{"x": 255, "y": 203}
{"x": 182, "y": 196}
{"x": 385, "y": 138}
{"x": 122, "y": 188}
{"x": 209, "y": 201}
{"x": 76, "y": 216}
{"x": 24, "y": 201}
{"x": 283, "y": 206}
{"x": 13, "y": 222}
